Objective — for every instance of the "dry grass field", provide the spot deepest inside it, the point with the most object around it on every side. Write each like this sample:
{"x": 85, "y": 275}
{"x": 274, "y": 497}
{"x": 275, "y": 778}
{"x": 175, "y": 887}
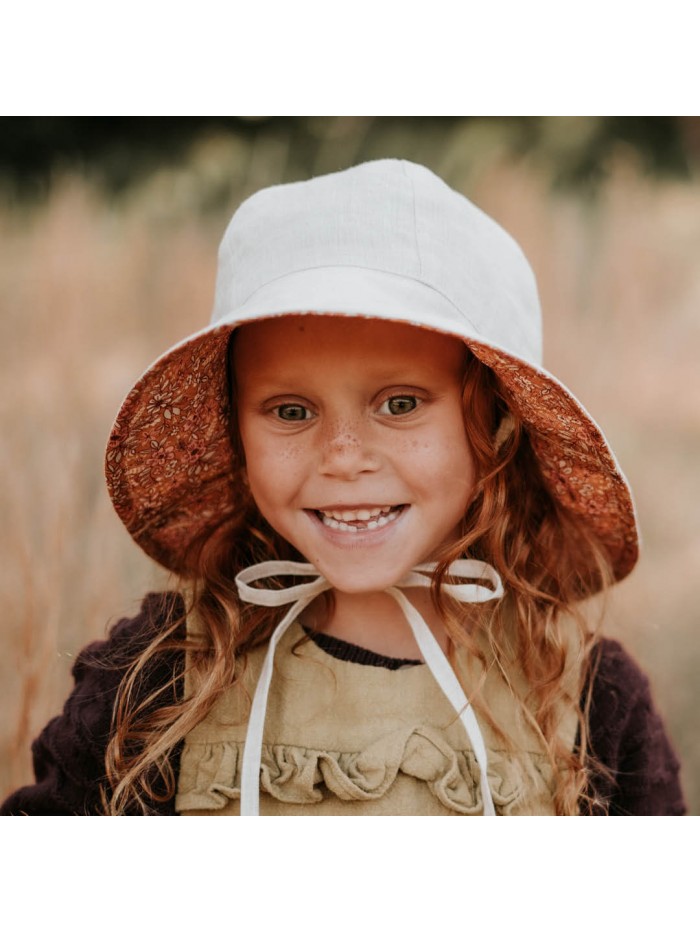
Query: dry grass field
{"x": 91, "y": 290}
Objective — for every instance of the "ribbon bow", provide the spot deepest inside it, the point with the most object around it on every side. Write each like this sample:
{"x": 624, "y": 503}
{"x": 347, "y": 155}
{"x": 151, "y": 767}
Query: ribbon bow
{"x": 301, "y": 595}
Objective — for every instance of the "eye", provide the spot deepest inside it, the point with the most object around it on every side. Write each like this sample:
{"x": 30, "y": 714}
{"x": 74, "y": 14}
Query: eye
{"x": 399, "y": 405}
{"x": 292, "y": 412}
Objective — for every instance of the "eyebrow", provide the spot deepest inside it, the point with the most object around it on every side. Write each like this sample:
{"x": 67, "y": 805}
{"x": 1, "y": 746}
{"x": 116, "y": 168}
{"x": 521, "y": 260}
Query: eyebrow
{"x": 297, "y": 385}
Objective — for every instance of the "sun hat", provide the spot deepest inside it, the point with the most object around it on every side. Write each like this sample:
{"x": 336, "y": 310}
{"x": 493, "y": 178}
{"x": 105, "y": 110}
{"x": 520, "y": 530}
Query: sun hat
{"x": 388, "y": 240}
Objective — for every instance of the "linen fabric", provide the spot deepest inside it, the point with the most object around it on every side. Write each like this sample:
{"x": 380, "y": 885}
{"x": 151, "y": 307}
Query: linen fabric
{"x": 347, "y": 739}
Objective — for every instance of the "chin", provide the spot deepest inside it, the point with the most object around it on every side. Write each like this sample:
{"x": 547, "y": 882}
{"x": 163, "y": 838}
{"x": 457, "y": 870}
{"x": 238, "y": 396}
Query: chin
{"x": 356, "y": 584}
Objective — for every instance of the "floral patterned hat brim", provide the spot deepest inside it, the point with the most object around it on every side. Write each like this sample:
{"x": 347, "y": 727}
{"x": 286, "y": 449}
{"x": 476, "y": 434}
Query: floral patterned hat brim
{"x": 169, "y": 458}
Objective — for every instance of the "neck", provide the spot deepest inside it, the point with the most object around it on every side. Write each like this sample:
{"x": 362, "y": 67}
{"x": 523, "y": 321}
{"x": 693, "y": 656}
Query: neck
{"x": 374, "y": 621}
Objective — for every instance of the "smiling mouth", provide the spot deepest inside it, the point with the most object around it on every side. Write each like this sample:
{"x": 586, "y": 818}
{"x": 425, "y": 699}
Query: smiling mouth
{"x": 354, "y": 520}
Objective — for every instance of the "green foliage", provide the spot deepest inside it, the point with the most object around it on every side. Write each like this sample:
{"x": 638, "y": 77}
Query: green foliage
{"x": 120, "y": 151}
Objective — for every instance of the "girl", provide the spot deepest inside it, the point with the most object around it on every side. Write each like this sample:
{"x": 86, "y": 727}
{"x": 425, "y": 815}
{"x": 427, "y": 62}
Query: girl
{"x": 384, "y": 515}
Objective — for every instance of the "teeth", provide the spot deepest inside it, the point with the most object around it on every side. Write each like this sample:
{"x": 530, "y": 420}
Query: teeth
{"x": 358, "y": 515}
{"x": 374, "y": 518}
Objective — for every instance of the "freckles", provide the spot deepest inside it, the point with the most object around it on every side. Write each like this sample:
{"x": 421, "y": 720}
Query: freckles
{"x": 446, "y": 458}
{"x": 342, "y": 435}
{"x": 286, "y": 467}
{"x": 289, "y": 453}
{"x": 275, "y": 468}
{"x": 424, "y": 449}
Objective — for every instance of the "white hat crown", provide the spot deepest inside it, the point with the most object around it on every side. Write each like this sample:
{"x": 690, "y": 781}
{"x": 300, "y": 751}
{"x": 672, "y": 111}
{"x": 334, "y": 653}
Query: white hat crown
{"x": 387, "y": 239}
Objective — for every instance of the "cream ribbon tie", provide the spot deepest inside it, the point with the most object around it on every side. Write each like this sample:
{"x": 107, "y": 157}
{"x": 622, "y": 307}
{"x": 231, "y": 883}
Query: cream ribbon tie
{"x": 302, "y": 594}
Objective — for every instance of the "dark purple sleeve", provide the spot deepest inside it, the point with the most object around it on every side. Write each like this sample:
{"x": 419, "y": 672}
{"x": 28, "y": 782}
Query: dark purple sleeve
{"x": 69, "y": 754}
{"x": 628, "y": 738}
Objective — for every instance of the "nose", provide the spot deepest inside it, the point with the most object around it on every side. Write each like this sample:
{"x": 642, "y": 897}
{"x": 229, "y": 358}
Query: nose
{"x": 347, "y": 451}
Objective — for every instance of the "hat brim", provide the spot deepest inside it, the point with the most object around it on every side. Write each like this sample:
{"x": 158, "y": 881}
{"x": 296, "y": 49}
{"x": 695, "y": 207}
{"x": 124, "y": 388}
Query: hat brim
{"x": 169, "y": 460}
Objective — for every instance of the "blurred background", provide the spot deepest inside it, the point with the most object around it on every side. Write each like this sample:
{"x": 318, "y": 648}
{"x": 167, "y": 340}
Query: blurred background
{"x": 108, "y": 235}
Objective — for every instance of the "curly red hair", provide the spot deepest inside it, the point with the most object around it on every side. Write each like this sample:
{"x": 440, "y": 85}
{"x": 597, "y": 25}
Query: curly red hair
{"x": 548, "y": 561}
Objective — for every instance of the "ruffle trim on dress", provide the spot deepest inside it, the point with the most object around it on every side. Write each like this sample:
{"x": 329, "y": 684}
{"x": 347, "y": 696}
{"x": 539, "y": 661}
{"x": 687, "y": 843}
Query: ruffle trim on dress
{"x": 211, "y": 773}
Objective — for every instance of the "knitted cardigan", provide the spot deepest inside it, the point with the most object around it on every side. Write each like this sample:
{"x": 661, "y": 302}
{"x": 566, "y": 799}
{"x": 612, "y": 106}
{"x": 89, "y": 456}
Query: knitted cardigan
{"x": 640, "y": 774}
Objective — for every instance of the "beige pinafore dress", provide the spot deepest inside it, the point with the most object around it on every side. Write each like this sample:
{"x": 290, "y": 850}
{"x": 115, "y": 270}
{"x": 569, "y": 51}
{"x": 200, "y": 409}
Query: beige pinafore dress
{"x": 346, "y": 739}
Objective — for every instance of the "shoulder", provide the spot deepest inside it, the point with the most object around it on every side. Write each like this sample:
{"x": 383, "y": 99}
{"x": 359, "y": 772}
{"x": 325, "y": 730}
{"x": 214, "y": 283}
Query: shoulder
{"x": 103, "y": 663}
{"x": 101, "y": 666}
{"x": 69, "y": 753}
{"x": 637, "y": 771}
{"x": 129, "y": 636}
{"x": 619, "y": 683}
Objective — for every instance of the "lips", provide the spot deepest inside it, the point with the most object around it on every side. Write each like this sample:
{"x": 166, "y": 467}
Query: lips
{"x": 352, "y": 520}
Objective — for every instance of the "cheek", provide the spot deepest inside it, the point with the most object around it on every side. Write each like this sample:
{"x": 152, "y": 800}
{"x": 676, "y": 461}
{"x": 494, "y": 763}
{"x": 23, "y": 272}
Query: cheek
{"x": 460, "y": 469}
{"x": 441, "y": 452}
{"x": 442, "y": 464}
{"x": 274, "y": 471}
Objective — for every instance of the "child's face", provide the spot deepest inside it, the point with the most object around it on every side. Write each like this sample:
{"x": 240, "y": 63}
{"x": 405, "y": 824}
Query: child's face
{"x": 355, "y": 442}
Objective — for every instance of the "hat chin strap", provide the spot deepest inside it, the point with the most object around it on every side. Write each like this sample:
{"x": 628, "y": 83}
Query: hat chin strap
{"x": 301, "y": 595}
